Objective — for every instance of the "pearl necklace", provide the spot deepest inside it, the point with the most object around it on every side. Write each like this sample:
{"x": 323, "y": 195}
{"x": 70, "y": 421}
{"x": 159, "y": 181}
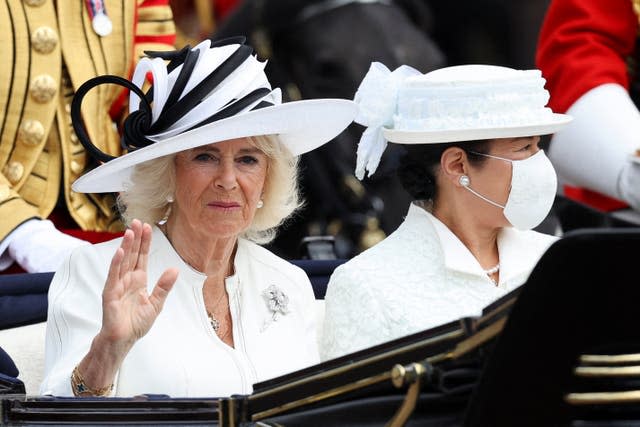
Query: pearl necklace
{"x": 492, "y": 270}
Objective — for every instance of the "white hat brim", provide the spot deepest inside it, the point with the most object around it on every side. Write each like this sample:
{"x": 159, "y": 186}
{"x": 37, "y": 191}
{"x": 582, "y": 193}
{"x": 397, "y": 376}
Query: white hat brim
{"x": 300, "y": 125}
{"x": 557, "y": 122}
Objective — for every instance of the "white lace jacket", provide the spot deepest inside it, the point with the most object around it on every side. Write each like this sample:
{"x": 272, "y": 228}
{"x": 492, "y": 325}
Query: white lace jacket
{"x": 181, "y": 355}
{"x": 419, "y": 277}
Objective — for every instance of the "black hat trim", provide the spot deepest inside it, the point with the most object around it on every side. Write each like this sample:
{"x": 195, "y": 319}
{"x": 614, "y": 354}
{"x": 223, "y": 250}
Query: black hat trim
{"x": 176, "y": 111}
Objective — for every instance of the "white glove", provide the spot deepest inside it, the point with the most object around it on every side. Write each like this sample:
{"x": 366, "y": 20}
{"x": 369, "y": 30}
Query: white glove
{"x": 629, "y": 185}
{"x": 593, "y": 150}
{"x": 39, "y": 247}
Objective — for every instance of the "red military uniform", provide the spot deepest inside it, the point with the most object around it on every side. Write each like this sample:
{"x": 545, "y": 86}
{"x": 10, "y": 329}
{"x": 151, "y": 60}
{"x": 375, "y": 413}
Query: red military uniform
{"x": 584, "y": 52}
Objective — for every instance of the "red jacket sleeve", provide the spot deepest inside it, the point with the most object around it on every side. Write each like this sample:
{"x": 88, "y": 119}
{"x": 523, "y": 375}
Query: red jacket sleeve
{"x": 584, "y": 44}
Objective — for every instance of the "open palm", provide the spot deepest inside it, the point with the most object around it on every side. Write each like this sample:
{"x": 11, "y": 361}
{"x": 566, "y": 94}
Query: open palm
{"x": 128, "y": 310}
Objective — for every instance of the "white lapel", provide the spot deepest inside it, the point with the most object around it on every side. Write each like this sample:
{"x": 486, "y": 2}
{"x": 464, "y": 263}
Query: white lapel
{"x": 457, "y": 256}
{"x": 520, "y": 251}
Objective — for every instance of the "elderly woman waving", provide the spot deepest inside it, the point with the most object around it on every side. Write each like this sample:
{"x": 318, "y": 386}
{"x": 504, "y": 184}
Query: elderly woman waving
{"x": 190, "y": 304}
{"x": 480, "y": 182}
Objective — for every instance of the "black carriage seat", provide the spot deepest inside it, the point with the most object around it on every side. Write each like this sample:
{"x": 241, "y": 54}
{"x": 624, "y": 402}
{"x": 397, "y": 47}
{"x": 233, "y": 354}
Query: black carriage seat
{"x": 23, "y": 299}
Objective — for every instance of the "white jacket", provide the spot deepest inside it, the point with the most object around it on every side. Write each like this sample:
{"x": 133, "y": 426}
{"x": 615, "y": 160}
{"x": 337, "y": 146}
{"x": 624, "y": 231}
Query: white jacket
{"x": 181, "y": 355}
{"x": 419, "y": 277}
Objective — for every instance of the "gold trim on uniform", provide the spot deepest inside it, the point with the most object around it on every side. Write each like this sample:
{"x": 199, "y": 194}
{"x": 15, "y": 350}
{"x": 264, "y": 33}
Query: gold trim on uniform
{"x": 156, "y": 28}
{"x": 31, "y": 132}
{"x": 34, "y": 3}
{"x": 13, "y": 171}
{"x": 5, "y": 192}
{"x": 43, "y": 88}
{"x": 141, "y": 47}
{"x": 155, "y": 13}
{"x": 44, "y": 39}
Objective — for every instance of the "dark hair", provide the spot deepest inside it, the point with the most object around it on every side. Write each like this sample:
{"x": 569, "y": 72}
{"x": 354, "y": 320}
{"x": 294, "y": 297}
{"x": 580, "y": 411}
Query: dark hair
{"x": 418, "y": 166}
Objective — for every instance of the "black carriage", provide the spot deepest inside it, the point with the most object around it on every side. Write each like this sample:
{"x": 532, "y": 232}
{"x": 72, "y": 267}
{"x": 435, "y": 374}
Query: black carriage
{"x": 562, "y": 350}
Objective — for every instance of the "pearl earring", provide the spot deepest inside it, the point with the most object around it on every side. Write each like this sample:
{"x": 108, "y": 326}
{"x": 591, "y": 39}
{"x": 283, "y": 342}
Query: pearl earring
{"x": 260, "y": 204}
{"x": 165, "y": 218}
{"x": 464, "y": 180}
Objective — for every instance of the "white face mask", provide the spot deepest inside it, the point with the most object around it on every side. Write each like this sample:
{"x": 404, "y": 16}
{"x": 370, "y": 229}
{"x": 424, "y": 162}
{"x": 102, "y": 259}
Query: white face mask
{"x": 533, "y": 189}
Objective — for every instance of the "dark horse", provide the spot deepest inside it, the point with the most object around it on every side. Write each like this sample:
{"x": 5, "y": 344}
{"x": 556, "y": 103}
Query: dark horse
{"x": 323, "y": 49}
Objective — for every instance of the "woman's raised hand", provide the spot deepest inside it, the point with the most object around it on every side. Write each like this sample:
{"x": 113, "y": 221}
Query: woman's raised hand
{"x": 128, "y": 310}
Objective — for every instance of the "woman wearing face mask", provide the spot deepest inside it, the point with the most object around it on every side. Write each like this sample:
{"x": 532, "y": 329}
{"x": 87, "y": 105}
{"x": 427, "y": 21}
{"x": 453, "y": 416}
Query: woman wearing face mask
{"x": 480, "y": 183}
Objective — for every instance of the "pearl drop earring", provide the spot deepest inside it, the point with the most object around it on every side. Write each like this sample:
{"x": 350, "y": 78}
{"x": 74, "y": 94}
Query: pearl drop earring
{"x": 464, "y": 180}
{"x": 260, "y": 204}
{"x": 165, "y": 218}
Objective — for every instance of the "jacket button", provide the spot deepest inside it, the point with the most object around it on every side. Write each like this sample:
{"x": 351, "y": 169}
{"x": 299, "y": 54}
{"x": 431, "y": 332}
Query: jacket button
{"x": 43, "y": 88}
{"x": 31, "y": 133}
{"x": 13, "y": 171}
{"x": 44, "y": 39}
{"x": 76, "y": 167}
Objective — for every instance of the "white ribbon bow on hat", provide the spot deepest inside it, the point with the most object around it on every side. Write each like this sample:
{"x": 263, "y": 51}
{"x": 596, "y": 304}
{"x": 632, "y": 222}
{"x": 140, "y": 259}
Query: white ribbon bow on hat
{"x": 376, "y": 98}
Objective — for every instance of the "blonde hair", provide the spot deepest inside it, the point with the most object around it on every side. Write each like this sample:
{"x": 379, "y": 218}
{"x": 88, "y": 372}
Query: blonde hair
{"x": 153, "y": 183}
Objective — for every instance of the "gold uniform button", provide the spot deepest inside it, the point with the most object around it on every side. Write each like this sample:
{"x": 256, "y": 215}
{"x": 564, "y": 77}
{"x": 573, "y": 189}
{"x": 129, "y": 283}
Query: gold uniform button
{"x": 73, "y": 137}
{"x": 43, "y": 88}
{"x": 44, "y": 39}
{"x": 76, "y": 167}
{"x": 31, "y": 133}
{"x": 5, "y": 191}
{"x": 34, "y": 3}
{"x": 13, "y": 171}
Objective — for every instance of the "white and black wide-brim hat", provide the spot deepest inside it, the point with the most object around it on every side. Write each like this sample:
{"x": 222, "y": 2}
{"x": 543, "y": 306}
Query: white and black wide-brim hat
{"x": 452, "y": 104}
{"x": 211, "y": 93}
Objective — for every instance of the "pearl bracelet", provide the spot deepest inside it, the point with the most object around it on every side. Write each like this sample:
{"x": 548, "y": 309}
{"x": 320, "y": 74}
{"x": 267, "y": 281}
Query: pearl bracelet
{"x": 81, "y": 389}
